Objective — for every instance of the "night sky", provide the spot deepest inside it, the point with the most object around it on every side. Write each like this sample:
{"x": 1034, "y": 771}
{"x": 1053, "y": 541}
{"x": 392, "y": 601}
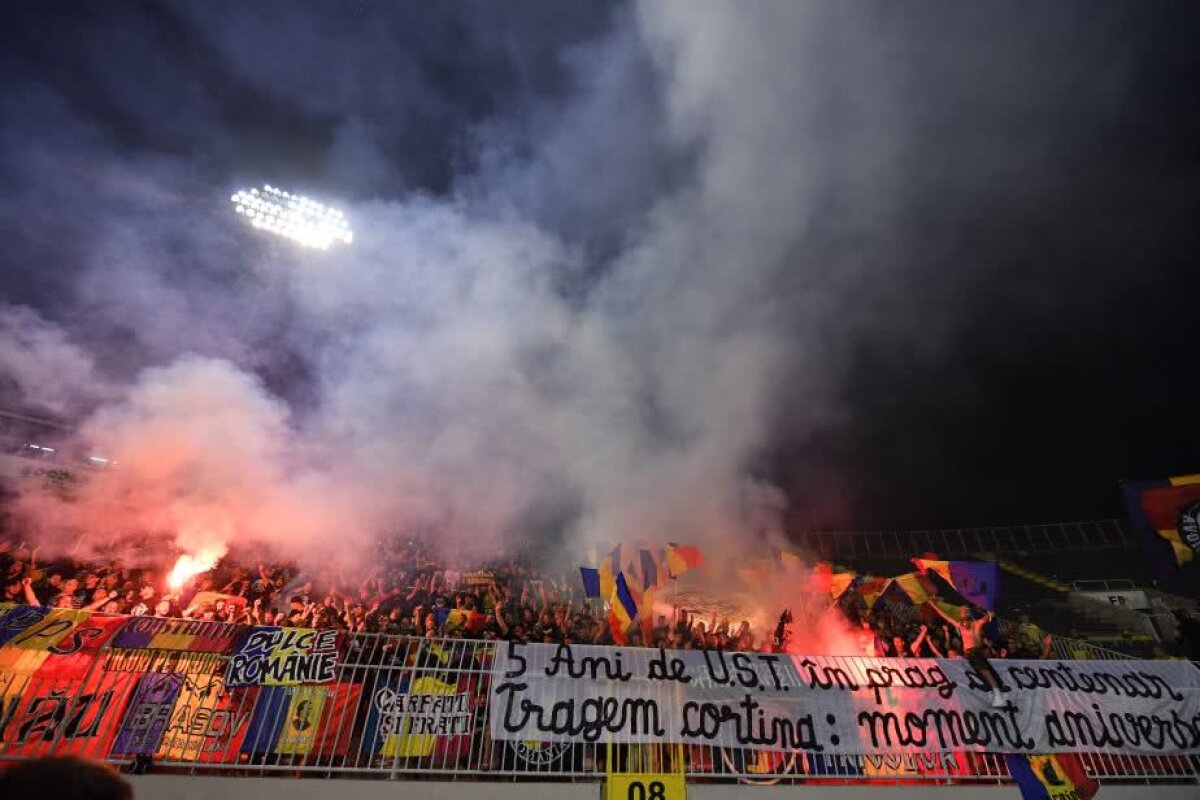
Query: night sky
{"x": 888, "y": 265}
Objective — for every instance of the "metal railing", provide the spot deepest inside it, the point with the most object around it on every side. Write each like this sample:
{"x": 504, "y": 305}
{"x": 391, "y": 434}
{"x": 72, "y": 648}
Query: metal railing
{"x": 1053, "y": 537}
{"x": 396, "y": 707}
{"x": 1105, "y": 585}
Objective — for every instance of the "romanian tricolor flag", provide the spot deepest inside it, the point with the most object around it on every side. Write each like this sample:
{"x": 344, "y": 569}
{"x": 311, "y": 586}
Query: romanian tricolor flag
{"x": 622, "y": 610}
{"x": 916, "y": 586}
{"x": 461, "y": 619}
{"x": 610, "y": 567}
{"x": 839, "y": 582}
{"x": 655, "y": 575}
{"x": 302, "y": 720}
{"x": 681, "y": 558}
{"x": 427, "y": 716}
{"x": 15, "y": 620}
{"x": 871, "y": 587}
{"x": 1167, "y": 514}
{"x": 33, "y": 634}
{"x": 51, "y": 715}
{"x": 160, "y": 633}
{"x": 1058, "y": 777}
{"x": 652, "y": 573}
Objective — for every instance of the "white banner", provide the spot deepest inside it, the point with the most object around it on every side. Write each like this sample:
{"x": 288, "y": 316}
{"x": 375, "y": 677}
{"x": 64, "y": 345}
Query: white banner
{"x": 840, "y": 705}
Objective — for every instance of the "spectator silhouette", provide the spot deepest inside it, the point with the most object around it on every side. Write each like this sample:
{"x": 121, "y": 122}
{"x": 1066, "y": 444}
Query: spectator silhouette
{"x": 64, "y": 778}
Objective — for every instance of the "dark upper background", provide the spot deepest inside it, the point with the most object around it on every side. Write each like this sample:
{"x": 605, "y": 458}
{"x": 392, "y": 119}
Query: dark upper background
{"x": 1059, "y": 289}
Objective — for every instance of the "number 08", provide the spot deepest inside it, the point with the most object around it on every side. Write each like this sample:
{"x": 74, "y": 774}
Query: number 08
{"x": 638, "y": 791}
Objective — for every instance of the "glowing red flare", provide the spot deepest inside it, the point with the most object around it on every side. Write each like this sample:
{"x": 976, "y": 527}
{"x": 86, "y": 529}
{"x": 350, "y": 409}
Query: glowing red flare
{"x": 188, "y": 566}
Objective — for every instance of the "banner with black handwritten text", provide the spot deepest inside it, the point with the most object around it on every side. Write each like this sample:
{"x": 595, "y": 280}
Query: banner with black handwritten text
{"x": 270, "y": 656}
{"x": 840, "y": 705}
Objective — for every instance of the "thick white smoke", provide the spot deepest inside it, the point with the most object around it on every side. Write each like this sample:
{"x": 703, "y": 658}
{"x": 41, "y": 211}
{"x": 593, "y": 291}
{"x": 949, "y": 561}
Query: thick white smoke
{"x": 457, "y": 388}
{"x": 43, "y": 367}
{"x": 596, "y": 334}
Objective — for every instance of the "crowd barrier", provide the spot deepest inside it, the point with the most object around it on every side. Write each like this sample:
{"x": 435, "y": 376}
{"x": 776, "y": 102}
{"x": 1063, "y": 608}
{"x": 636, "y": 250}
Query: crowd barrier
{"x": 194, "y": 696}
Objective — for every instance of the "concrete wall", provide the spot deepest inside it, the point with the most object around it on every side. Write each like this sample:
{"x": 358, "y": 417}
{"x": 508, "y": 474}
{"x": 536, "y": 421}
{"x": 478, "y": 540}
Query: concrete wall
{"x": 180, "y": 787}
{"x": 714, "y": 792}
{"x": 186, "y": 787}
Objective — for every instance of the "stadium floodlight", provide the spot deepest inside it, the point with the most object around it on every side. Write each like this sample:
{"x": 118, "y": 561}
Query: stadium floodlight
{"x": 292, "y": 216}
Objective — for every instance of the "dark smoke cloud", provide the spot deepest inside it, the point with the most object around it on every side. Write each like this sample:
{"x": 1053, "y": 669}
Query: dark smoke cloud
{"x": 694, "y": 270}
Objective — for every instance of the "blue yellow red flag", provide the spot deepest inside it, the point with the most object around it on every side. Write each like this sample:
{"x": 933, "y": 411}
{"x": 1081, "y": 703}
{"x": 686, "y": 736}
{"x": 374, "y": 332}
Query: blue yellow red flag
{"x": 871, "y": 587}
{"x": 916, "y": 586}
{"x": 650, "y": 576}
{"x": 622, "y": 610}
{"x": 420, "y": 716}
{"x": 609, "y": 567}
{"x": 286, "y": 720}
{"x": 1057, "y": 777}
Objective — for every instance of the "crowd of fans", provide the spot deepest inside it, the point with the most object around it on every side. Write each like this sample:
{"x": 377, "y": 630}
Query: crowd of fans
{"x": 411, "y": 593}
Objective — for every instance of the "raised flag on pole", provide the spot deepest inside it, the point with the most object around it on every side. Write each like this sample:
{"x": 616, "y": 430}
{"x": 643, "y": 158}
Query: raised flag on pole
{"x": 1166, "y": 513}
{"x": 839, "y": 582}
{"x": 591, "y": 582}
{"x": 916, "y": 586}
{"x": 650, "y": 576}
{"x": 681, "y": 558}
{"x": 609, "y": 568}
{"x": 622, "y": 610}
{"x": 977, "y": 581}
{"x": 871, "y": 587}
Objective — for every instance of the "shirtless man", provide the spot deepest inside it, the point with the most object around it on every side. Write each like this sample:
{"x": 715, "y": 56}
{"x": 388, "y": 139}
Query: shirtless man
{"x": 971, "y": 633}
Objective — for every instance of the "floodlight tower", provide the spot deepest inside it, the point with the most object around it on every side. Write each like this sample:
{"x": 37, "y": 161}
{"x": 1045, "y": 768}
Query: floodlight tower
{"x": 292, "y": 216}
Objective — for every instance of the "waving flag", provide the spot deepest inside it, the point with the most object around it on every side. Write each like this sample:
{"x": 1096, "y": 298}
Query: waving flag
{"x": 871, "y": 587}
{"x": 839, "y": 582}
{"x": 1167, "y": 515}
{"x": 1059, "y": 777}
{"x": 916, "y": 586}
{"x": 681, "y": 558}
{"x": 610, "y": 567}
{"x": 622, "y": 610}
{"x": 591, "y": 582}
{"x": 651, "y": 578}
{"x": 976, "y": 581}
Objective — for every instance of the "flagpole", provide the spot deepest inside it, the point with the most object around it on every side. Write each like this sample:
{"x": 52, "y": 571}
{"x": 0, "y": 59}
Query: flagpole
{"x": 674, "y": 601}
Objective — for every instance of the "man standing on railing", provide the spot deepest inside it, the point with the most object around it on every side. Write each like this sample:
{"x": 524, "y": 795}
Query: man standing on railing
{"x": 971, "y": 632}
